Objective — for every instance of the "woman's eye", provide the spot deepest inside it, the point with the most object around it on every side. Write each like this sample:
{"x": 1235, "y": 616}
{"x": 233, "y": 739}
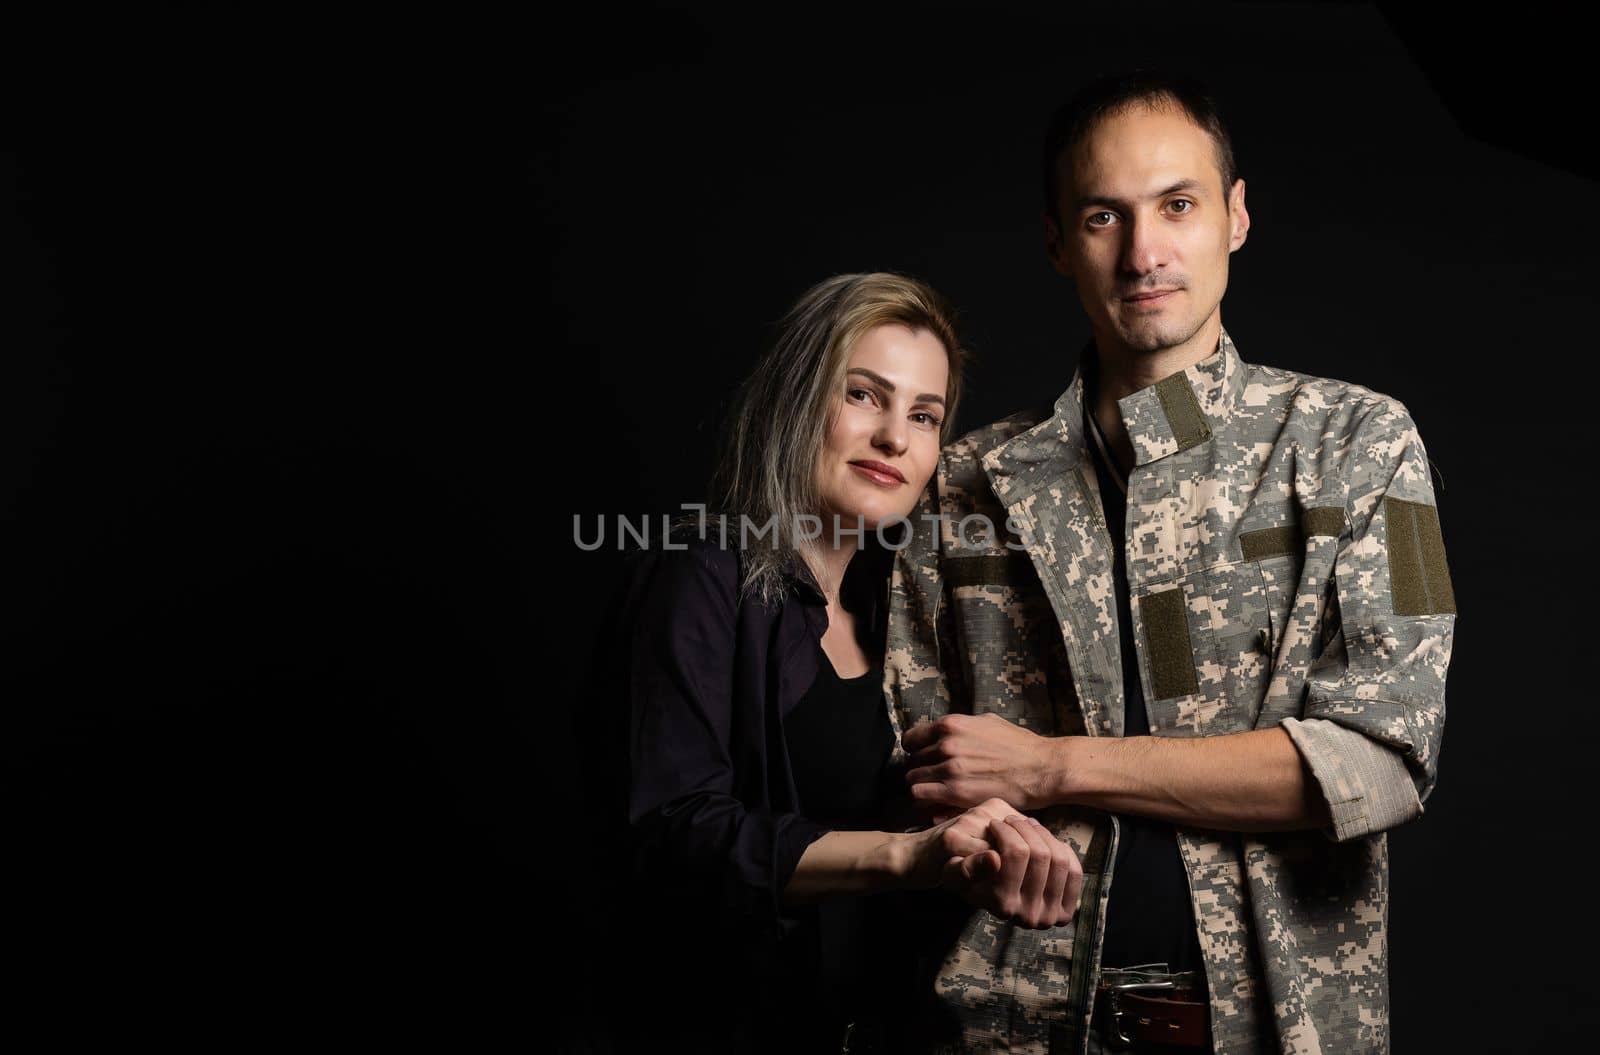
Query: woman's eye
{"x": 858, "y": 393}
{"x": 924, "y": 418}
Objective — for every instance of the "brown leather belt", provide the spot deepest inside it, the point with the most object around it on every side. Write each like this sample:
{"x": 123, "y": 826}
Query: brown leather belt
{"x": 1135, "y": 1007}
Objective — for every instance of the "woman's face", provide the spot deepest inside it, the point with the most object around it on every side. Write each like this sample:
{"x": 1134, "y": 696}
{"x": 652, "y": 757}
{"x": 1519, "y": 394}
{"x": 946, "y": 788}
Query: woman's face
{"x": 884, "y": 443}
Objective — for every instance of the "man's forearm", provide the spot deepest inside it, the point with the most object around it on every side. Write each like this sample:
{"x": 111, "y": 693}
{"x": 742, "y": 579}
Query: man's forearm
{"x": 1254, "y": 781}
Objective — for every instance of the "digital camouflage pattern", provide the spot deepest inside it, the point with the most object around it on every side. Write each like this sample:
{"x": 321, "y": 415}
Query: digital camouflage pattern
{"x": 1294, "y": 519}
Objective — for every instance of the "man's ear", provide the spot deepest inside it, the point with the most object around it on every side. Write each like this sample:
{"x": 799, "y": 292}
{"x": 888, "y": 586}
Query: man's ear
{"x": 1238, "y": 215}
{"x": 1054, "y": 248}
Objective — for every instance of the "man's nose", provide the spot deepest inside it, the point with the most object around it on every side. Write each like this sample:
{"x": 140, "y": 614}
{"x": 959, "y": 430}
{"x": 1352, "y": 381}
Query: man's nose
{"x": 1145, "y": 246}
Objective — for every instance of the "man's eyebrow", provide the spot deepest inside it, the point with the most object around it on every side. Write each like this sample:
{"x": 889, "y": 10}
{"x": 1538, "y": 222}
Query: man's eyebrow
{"x": 1185, "y": 184}
{"x": 888, "y": 386}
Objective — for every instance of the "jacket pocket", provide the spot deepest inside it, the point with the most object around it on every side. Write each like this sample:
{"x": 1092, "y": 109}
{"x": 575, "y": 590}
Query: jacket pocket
{"x": 1280, "y": 580}
{"x": 1001, "y": 613}
{"x": 1207, "y": 639}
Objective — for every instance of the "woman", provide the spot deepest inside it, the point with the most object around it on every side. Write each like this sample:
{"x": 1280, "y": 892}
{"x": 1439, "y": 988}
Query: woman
{"x": 752, "y": 662}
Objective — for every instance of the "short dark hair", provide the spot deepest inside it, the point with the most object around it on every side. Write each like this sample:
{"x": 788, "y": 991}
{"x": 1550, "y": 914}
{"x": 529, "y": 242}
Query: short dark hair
{"x": 1107, "y": 96}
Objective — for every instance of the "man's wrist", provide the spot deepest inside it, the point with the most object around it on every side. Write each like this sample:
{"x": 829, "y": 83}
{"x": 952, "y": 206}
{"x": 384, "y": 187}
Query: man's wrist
{"x": 1062, "y": 785}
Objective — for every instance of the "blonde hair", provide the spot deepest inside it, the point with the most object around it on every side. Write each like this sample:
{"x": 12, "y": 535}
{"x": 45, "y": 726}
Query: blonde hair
{"x": 785, "y": 409}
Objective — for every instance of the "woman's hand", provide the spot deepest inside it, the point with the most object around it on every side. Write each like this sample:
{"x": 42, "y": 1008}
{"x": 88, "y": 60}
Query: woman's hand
{"x": 1002, "y": 861}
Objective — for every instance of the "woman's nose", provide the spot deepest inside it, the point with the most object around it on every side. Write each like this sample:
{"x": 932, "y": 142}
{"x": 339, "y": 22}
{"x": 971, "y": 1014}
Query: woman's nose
{"x": 892, "y": 437}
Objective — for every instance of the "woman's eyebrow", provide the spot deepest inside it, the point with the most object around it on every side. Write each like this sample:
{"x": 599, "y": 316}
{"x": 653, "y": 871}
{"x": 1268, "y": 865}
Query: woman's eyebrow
{"x": 888, "y": 386}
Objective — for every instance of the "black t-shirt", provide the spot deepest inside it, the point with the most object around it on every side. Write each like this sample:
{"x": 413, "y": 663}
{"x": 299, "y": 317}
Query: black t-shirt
{"x": 839, "y": 743}
{"x": 1148, "y": 914}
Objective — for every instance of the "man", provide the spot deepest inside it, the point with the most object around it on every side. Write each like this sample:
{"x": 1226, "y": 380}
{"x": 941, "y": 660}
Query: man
{"x": 1205, "y": 640}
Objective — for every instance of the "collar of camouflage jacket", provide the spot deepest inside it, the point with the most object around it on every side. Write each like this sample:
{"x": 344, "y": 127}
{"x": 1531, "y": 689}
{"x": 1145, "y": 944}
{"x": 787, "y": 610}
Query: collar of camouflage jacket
{"x": 1172, "y": 415}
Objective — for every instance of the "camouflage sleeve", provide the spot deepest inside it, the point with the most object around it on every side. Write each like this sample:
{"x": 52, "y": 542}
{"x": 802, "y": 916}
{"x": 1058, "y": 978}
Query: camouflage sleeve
{"x": 1373, "y": 716}
{"x": 915, "y": 674}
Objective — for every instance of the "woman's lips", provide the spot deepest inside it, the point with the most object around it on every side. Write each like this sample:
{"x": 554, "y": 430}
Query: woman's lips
{"x": 875, "y": 475}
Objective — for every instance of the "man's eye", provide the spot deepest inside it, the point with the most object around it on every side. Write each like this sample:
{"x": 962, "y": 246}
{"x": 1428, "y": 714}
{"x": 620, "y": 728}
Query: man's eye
{"x": 1096, "y": 216}
{"x": 1188, "y": 205}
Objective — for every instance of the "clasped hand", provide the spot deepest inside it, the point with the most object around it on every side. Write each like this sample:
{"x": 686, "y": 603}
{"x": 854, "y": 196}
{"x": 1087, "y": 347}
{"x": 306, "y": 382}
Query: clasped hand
{"x": 1003, "y": 861}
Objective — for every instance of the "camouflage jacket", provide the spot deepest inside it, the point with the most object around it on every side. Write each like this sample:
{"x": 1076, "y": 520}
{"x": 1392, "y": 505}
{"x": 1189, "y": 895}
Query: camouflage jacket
{"x": 1286, "y": 567}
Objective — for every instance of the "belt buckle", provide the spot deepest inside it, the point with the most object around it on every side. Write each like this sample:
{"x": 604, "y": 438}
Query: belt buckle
{"x": 1114, "y": 1012}
{"x": 1141, "y": 978}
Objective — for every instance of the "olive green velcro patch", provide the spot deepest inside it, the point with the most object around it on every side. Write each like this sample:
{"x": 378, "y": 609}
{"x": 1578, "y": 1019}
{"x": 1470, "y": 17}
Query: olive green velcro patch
{"x": 996, "y": 569}
{"x": 1289, "y": 538}
{"x": 1171, "y": 656}
{"x": 1188, "y": 422}
{"x": 1323, "y": 520}
{"x": 1418, "y": 575}
{"x": 1269, "y": 542}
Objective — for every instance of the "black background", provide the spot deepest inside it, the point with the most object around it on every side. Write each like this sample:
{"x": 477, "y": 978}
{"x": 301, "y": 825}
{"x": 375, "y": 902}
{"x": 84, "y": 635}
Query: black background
{"x": 319, "y": 335}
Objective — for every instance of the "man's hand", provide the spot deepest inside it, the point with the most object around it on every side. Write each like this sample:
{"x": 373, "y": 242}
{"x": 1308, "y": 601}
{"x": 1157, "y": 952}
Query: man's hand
{"x": 961, "y": 760}
{"x": 1005, "y": 862}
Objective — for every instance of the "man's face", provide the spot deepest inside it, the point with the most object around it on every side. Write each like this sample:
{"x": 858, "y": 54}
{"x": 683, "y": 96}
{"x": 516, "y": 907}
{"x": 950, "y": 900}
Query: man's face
{"x": 1145, "y": 228}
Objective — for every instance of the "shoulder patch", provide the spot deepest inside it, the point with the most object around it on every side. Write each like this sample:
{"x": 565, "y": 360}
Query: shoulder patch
{"x": 1418, "y": 574}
